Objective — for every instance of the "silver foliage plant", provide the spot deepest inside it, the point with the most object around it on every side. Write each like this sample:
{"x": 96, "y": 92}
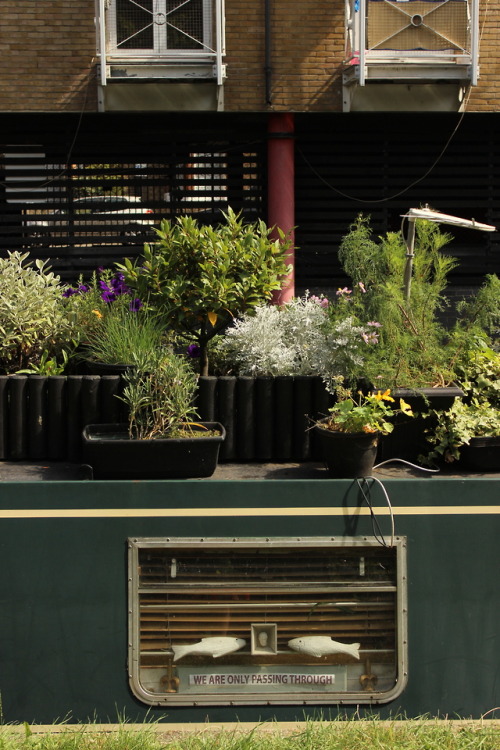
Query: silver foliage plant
{"x": 298, "y": 338}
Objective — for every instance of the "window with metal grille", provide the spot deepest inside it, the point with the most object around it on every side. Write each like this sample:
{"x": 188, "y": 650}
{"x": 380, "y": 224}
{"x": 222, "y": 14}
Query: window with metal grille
{"x": 156, "y": 27}
{"x": 438, "y": 36}
{"x": 242, "y": 621}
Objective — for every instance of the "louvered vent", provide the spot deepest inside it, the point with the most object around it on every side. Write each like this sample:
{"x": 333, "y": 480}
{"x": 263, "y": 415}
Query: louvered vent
{"x": 181, "y": 595}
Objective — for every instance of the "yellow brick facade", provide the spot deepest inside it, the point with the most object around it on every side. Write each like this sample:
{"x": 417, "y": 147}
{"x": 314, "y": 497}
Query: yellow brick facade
{"x": 49, "y": 61}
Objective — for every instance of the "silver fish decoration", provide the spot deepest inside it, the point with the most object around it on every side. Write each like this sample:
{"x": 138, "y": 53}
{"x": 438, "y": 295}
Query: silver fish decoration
{"x": 215, "y": 647}
{"x": 322, "y": 645}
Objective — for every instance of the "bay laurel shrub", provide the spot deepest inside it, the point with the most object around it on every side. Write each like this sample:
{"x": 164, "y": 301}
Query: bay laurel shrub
{"x": 200, "y": 278}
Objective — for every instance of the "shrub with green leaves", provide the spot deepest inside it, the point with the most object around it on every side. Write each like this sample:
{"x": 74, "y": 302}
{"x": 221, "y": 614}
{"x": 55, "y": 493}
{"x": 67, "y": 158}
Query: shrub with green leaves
{"x": 33, "y": 322}
{"x": 202, "y": 277}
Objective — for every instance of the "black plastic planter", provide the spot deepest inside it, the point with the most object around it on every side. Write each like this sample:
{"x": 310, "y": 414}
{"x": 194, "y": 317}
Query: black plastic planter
{"x": 408, "y": 439}
{"x": 482, "y": 454}
{"x": 348, "y": 455}
{"x": 113, "y": 455}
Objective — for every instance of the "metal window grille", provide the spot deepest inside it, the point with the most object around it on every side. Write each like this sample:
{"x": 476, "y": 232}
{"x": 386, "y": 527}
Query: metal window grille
{"x": 159, "y": 26}
{"x": 418, "y": 31}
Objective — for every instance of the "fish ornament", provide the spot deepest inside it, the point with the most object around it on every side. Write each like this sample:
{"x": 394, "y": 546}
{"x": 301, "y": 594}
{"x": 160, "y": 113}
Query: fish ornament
{"x": 215, "y": 647}
{"x": 322, "y": 645}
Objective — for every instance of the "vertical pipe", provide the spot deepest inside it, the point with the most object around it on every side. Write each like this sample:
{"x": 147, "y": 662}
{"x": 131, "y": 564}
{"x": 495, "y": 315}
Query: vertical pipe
{"x": 267, "y": 45}
{"x": 281, "y": 189}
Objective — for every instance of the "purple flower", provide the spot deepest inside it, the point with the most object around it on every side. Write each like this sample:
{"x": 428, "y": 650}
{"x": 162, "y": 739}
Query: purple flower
{"x": 118, "y": 284}
{"x": 69, "y": 292}
{"x": 193, "y": 350}
{"x": 374, "y": 324}
{"x": 345, "y": 292}
{"x": 135, "y": 305}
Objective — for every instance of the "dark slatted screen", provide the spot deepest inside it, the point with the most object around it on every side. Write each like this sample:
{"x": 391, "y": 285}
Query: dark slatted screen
{"x": 85, "y": 194}
{"x": 374, "y": 163}
{"x": 201, "y": 162}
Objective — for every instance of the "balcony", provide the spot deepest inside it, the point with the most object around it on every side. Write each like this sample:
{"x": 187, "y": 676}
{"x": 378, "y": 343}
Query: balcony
{"x": 410, "y": 42}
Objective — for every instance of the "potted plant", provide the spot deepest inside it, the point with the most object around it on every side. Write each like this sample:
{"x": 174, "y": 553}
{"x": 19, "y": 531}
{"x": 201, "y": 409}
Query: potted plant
{"x": 349, "y": 436}
{"x": 120, "y": 336}
{"x": 469, "y": 433}
{"x": 36, "y": 335}
{"x": 162, "y": 439}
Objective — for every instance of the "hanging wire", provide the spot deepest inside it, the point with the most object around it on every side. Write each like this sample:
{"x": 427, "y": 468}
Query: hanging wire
{"x": 432, "y": 166}
{"x": 363, "y": 483}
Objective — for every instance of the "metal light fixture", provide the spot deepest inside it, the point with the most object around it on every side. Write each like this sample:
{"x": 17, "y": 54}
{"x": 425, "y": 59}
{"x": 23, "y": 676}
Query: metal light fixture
{"x": 438, "y": 218}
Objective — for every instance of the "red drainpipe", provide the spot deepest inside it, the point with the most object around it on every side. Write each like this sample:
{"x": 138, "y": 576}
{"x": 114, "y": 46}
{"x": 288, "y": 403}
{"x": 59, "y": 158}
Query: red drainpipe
{"x": 281, "y": 189}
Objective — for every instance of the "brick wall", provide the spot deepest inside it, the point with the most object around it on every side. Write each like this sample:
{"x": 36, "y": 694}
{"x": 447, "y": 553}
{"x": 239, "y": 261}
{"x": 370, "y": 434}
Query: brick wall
{"x": 48, "y": 60}
{"x": 307, "y": 48}
{"x": 48, "y": 51}
{"x": 485, "y": 97}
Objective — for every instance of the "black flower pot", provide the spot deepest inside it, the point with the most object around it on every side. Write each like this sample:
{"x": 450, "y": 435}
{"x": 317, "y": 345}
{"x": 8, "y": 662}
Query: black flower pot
{"x": 348, "y": 455}
{"x": 105, "y": 368}
{"x": 110, "y": 452}
{"x": 482, "y": 454}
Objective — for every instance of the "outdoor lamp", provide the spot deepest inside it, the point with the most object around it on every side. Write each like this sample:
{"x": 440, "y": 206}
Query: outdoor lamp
{"x": 438, "y": 218}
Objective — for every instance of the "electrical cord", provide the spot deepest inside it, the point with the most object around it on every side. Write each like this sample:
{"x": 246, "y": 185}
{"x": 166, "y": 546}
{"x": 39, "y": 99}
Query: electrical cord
{"x": 408, "y": 463}
{"x": 377, "y": 532}
{"x": 365, "y": 488}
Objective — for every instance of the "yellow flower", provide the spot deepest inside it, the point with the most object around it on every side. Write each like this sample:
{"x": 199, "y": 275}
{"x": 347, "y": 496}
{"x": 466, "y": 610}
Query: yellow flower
{"x": 384, "y": 396}
{"x": 405, "y": 408}
{"x": 97, "y": 313}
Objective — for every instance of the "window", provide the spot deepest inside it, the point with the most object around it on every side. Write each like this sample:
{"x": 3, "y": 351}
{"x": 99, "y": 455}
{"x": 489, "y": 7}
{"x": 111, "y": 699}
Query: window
{"x": 411, "y": 40}
{"x": 249, "y": 621}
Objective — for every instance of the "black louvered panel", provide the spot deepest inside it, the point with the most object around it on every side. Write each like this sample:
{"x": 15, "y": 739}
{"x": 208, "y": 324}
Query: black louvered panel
{"x": 378, "y": 163}
{"x": 367, "y": 162}
{"x": 164, "y": 167}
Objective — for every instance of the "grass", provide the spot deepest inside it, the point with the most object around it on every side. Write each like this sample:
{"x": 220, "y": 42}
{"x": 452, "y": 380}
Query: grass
{"x": 418, "y": 734}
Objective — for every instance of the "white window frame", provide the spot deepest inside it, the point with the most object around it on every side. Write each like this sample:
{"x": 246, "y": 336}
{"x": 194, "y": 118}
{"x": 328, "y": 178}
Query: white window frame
{"x": 433, "y": 65}
{"x": 161, "y": 61}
